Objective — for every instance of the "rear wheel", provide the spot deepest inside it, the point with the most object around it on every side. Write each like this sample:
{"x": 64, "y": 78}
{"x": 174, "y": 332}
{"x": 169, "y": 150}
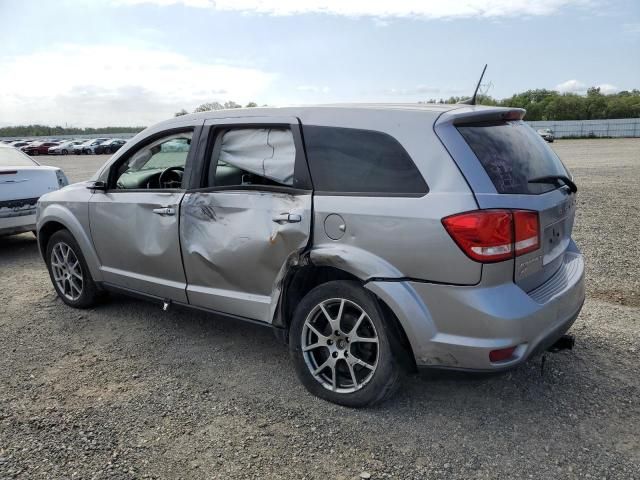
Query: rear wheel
{"x": 69, "y": 272}
{"x": 65, "y": 152}
{"x": 107, "y": 150}
{"x": 340, "y": 346}
{"x": 35, "y": 153}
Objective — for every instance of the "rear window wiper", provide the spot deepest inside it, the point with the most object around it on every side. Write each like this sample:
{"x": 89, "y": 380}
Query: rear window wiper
{"x": 556, "y": 180}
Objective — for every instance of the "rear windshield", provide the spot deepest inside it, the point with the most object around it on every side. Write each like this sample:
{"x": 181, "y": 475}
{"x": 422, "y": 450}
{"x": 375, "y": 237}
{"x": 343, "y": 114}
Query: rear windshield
{"x": 10, "y": 157}
{"x": 512, "y": 153}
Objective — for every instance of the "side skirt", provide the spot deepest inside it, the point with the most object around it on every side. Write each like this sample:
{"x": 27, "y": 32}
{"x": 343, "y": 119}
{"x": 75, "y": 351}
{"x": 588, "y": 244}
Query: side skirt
{"x": 280, "y": 333}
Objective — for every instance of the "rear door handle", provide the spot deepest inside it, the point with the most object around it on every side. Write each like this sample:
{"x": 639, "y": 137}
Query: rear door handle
{"x": 287, "y": 218}
{"x": 165, "y": 211}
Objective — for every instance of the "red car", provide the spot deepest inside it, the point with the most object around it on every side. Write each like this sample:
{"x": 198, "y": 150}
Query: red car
{"x": 38, "y": 148}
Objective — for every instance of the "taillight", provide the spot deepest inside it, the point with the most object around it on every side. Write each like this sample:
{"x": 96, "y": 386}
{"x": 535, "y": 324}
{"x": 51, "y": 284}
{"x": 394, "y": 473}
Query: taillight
{"x": 494, "y": 235}
{"x": 527, "y": 231}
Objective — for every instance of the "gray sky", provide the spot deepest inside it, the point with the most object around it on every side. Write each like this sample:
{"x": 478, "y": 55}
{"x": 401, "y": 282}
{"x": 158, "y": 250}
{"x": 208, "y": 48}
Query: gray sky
{"x": 135, "y": 62}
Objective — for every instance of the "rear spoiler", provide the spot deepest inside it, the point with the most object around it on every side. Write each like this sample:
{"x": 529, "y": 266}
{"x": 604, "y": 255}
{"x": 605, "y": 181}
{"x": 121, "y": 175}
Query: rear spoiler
{"x": 464, "y": 116}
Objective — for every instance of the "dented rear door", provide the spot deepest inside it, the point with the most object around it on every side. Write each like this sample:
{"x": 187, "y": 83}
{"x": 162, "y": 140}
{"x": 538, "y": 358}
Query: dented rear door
{"x": 248, "y": 218}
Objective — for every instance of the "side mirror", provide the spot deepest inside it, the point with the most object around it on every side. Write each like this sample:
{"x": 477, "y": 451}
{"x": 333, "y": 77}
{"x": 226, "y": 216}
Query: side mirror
{"x": 98, "y": 186}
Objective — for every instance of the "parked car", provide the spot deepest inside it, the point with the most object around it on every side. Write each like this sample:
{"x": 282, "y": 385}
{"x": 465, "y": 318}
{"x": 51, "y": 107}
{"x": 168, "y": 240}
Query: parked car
{"x": 38, "y": 148}
{"x": 370, "y": 239}
{"x": 547, "y": 134}
{"x": 110, "y": 146}
{"x": 22, "y": 182}
{"x": 88, "y": 146}
{"x": 19, "y": 144}
{"x": 64, "y": 148}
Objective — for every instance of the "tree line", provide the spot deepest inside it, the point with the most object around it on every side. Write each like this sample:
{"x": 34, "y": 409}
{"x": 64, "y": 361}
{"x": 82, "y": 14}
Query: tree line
{"x": 542, "y": 104}
{"x": 47, "y": 131}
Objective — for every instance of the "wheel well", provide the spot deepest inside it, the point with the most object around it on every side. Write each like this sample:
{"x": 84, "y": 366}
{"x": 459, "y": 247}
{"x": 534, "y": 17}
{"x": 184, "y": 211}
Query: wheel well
{"x": 304, "y": 279}
{"x": 45, "y": 233}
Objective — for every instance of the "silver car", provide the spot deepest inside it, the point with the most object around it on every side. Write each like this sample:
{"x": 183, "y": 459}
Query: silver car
{"x": 372, "y": 239}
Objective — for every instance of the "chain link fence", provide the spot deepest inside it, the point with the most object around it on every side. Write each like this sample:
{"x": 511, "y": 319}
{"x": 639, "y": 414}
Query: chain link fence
{"x": 623, "y": 127}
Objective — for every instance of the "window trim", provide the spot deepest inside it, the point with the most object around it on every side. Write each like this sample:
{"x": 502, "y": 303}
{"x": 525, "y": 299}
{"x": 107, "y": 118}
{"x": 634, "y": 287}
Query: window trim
{"x": 331, "y": 193}
{"x": 113, "y": 168}
{"x": 213, "y": 137}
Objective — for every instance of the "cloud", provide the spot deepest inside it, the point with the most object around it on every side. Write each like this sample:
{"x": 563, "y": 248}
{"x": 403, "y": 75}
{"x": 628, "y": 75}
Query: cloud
{"x": 98, "y": 85}
{"x": 419, "y": 90}
{"x": 312, "y": 89}
{"x": 631, "y": 28}
{"x": 575, "y": 86}
{"x": 426, "y": 9}
{"x": 607, "y": 88}
{"x": 571, "y": 86}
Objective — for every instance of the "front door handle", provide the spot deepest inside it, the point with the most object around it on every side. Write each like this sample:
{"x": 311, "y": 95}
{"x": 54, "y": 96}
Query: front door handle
{"x": 165, "y": 211}
{"x": 287, "y": 218}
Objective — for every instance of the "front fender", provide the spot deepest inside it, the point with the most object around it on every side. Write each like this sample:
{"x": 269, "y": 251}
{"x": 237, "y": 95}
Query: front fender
{"x": 69, "y": 218}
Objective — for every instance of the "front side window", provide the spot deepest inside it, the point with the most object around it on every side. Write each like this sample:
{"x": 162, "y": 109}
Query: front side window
{"x": 354, "y": 161}
{"x": 252, "y": 156}
{"x": 159, "y": 165}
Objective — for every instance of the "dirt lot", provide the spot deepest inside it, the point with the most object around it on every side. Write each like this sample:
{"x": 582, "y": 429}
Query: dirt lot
{"x": 127, "y": 391}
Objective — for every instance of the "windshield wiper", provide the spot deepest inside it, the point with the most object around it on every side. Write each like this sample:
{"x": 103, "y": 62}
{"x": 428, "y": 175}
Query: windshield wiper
{"x": 556, "y": 180}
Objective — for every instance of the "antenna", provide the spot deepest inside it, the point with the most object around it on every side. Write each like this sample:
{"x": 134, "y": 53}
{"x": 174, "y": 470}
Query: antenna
{"x": 472, "y": 100}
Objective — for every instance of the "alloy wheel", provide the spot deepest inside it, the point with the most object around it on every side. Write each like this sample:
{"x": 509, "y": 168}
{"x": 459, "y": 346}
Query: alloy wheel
{"x": 340, "y": 345}
{"x": 67, "y": 271}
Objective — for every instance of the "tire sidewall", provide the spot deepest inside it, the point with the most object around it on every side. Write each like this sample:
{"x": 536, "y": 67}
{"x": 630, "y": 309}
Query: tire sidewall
{"x": 387, "y": 368}
{"x": 88, "y": 295}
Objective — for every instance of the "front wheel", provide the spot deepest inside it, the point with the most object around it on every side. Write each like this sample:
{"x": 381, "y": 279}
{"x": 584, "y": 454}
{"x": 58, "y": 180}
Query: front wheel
{"x": 69, "y": 272}
{"x": 341, "y": 347}
{"x": 65, "y": 152}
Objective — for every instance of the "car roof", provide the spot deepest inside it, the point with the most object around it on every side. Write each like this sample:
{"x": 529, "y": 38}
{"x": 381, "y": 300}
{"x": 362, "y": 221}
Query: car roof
{"x": 324, "y": 114}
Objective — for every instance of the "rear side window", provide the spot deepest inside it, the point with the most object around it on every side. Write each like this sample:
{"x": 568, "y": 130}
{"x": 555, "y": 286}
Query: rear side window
{"x": 512, "y": 153}
{"x": 347, "y": 160}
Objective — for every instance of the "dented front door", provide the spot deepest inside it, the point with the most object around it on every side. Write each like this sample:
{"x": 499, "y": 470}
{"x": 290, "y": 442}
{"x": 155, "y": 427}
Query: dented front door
{"x": 238, "y": 240}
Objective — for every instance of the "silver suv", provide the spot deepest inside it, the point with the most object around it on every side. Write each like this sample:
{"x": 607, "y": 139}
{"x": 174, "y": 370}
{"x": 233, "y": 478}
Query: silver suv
{"x": 370, "y": 238}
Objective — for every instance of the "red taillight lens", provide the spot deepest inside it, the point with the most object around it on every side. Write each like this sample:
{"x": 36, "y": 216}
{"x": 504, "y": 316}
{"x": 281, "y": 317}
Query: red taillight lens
{"x": 527, "y": 231}
{"x": 502, "y": 354}
{"x": 484, "y": 235}
{"x": 488, "y": 235}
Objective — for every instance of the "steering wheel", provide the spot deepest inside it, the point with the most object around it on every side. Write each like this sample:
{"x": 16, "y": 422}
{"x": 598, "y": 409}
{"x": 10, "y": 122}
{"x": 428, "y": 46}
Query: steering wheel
{"x": 165, "y": 173}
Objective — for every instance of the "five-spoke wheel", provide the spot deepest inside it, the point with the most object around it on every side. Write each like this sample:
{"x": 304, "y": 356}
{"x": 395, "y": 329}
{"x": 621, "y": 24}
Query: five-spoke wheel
{"x": 341, "y": 345}
{"x": 69, "y": 272}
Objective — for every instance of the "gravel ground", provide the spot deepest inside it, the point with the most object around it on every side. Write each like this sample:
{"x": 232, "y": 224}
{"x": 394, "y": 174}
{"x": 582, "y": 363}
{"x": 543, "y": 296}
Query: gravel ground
{"x": 127, "y": 391}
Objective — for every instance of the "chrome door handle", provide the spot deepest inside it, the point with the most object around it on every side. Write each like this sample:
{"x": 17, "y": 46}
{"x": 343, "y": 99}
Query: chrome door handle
{"x": 165, "y": 211}
{"x": 287, "y": 218}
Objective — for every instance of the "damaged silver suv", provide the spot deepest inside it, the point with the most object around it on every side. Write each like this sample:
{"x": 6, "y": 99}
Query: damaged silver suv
{"x": 372, "y": 238}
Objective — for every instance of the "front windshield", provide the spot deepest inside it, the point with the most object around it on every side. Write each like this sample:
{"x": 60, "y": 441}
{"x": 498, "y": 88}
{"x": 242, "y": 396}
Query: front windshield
{"x": 10, "y": 157}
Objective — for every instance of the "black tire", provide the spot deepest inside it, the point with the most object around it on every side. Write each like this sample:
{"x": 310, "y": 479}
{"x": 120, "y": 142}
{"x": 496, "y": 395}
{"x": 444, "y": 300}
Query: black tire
{"x": 35, "y": 153}
{"x": 89, "y": 293}
{"x": 106, "y": 150}
{"x": 372, "y": 387}
{"x": 65, "y": 152}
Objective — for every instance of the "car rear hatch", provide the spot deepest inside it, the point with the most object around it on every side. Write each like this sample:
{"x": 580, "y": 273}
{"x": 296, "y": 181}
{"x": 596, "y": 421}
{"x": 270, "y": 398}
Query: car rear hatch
{"x": 509, "y": 166}
{"x": 20, "y": 188}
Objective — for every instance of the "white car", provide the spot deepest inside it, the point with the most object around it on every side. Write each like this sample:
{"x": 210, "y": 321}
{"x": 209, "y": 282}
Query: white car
{"x": 64, "y": 148}
{"x": 22, "y": 182}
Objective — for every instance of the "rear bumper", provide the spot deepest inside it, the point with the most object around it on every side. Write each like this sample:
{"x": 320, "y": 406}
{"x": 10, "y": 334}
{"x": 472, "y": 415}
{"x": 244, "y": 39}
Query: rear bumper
{"x": 457, "y": 326}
